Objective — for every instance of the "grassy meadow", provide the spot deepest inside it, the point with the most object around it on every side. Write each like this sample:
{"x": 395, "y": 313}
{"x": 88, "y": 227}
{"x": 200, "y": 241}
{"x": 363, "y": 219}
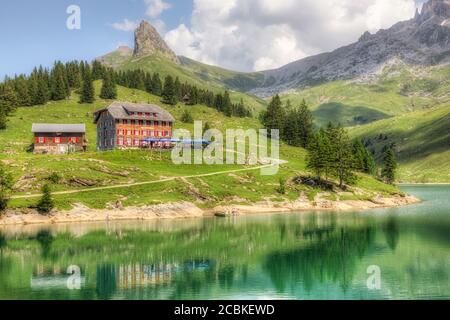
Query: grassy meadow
{"x": 94, "y": 169}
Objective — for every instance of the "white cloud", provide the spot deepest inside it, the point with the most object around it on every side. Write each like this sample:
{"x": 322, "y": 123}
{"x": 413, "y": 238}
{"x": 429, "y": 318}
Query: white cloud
{"x": 260, "y": 34}
{"x": 125, "y": 25}
{"x": 156, "y": 7}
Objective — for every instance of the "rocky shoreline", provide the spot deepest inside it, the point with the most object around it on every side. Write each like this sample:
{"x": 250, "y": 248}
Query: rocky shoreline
{"x": 183, "y": 210}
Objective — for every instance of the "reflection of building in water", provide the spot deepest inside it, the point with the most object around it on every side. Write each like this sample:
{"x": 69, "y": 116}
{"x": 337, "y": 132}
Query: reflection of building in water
{"x": 136, "y": 275}
{"x": 132, "y": 276}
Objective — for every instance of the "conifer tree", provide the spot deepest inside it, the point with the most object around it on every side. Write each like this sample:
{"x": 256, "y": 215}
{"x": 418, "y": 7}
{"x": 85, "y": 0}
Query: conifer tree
{"x": 59, "y": 83}
{"x": 6, "y": 183}
{"x": 177, "y": 89}
{"x": 389, "y": 166}
{"x": 98, "y": 71}
{"x": 8, "y": 97}
{"x": 45, "y": 204}
{"x": 168, "y": 94}
{"x": 156, "y": 85}
{"x": 305, "y": 124}
{"x": 87, "y": 90}
{"x": 73, "y": 74}
{"x": 109, "y": 90}
{"x": 226, "y": 104}
{"x": 274, "y": 116}
{"x": 3, "y": 119}
{"x": 342, "y": 160}
{"x": 22, "y": 92}
{"x": 364, "y": 161}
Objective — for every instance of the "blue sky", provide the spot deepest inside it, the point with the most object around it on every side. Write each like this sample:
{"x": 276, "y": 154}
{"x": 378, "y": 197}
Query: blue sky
{"x": 34, "y": 32}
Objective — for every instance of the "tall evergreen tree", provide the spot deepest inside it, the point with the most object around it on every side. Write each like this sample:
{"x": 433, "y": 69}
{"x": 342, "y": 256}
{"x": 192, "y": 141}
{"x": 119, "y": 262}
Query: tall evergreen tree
{"x": 109, "y": 90}
{"x": 274, "y": 117}
{"x": 22, "y": 92}
{"x": 341, "y": 154}
{"x": 8, "y": 97}
{"x": 156, "y": 85}
{"x": 168, "y": 94}
{"x": 364, "y": 161}
{"x": 98, "y": 71}
{"x": 305, "y": 124}
{"x": 6, "y": 183}
{"x": 177, "y": 89}
{"x": 226, "y": 104}
{"x": 3, "y": 119}
{"x": 389, "y": 166}
{"x": 45, "y": 204}
{"x": 87, "y": 90}
{"x": 73, "y": 74}
{"x": 58, "y": 81}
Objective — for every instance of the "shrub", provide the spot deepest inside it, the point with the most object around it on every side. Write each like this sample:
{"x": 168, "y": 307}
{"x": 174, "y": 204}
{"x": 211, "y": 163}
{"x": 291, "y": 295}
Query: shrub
{"x": 45, "y": 204}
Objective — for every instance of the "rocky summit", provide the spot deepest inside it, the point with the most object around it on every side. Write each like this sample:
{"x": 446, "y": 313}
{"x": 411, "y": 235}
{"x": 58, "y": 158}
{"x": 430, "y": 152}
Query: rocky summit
{"x": 147, "y": 41}
{"x": 423, "y": 40}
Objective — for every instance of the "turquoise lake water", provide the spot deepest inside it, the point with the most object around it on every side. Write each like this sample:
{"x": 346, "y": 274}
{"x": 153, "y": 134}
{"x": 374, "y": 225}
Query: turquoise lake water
{"x": 396, "y": 253}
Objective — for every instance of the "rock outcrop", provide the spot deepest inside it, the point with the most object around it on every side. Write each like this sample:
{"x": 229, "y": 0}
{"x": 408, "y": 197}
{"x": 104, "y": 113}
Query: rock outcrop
{"x": 147, "y": 41}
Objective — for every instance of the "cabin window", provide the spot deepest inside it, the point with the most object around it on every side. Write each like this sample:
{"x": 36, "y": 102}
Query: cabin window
{"x": 120, "y": 141}
{"x": 156, "y": 123}
{"x": 156, "y": 133}
{"x": 133, "y": 122}
{"x": 41, "y": 140}
{"x": 141, "y": 122}
{"x": 164, "y": 123}
{"x": 147, "y": 114}
{"x": 147, "y": 123}
{"x": 136, "y": 132}
{"x": 124, "y": 121}
{"x": 129, "y": 141}
{"x": 136, "y": 142}
{"x": 129, "y": 132}
{"x": 140, "y": 114}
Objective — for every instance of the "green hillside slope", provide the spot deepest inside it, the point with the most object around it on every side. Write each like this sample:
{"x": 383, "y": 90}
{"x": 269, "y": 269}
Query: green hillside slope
{"x": 203, "y": 76}
{"x": 422, "y": 139}
{"x": 102, "y": 169}
{"x": 399, "y": 89}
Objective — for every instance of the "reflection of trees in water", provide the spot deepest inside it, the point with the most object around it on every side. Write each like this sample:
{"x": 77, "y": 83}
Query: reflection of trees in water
{"x": 106, "y": 281}
{"x": 392, "y": 232}
{"x": 45, "y": 239}
{"x": 331, "y": 258}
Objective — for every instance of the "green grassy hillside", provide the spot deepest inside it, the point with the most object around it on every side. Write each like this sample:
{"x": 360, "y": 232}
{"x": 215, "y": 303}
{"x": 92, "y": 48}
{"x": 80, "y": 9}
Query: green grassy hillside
{"x": 422, "y": 139}
{"x": 399, "y": 89}
{"x": 195, "y": 73}
{"x": 100, "y": 169}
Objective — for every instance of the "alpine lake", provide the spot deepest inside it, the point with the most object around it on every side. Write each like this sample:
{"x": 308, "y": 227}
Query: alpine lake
{"x": 394, "y": 253}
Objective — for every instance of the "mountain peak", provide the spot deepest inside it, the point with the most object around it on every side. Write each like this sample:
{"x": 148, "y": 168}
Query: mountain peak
{"x": 147, "y": 41}
{"x": 434, "y": 9}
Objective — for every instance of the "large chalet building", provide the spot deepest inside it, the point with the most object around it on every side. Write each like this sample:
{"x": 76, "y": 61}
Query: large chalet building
{"x": 59, "y": 138}
{"x": 125, "y": 125}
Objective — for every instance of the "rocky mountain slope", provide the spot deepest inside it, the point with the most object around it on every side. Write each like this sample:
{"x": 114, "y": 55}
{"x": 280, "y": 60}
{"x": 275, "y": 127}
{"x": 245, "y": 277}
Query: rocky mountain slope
{"x": 423, "y": 40}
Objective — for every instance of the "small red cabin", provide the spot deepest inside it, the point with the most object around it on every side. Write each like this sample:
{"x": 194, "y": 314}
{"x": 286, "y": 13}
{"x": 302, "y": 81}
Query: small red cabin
{"x": 59, "y": 138}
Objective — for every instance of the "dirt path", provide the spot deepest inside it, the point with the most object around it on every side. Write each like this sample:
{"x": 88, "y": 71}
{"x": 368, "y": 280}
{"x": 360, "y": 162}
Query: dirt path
{"x": 150, "y": 182}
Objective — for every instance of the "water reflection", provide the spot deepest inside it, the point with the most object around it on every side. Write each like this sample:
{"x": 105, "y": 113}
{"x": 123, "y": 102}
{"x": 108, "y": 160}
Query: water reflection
{"x": 308, "y": 255}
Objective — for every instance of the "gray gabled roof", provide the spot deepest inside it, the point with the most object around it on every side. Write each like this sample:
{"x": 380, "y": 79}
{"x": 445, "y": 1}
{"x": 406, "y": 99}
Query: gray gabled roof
{"x": 123, "y": 110}
{"x": 58, "y": 128}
